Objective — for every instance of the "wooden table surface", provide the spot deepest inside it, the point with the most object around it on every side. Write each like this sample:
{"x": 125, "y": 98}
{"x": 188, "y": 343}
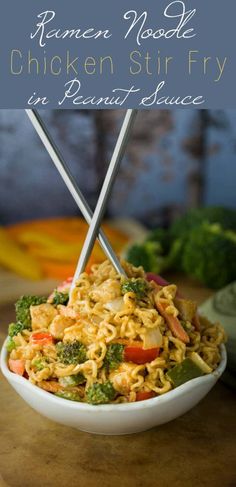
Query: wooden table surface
{"x": 197, "y": 449}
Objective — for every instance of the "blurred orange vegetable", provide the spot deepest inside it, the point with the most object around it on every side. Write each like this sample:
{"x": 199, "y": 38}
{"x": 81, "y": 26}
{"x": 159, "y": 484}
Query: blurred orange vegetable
{"x": 57, "y": 270}
{"x": 54, "y": 244}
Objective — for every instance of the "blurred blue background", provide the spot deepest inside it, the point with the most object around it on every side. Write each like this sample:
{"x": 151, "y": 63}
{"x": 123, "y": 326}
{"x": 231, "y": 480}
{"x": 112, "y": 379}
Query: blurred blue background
{"x": 175, "y": 160}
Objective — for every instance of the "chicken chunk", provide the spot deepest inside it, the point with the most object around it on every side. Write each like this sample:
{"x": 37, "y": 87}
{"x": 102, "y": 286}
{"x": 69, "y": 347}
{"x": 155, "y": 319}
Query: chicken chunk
{"x": 42, "y": 315}
{"x": 50, "y": 386}
{"x": 68, "y": 311}
{"x": 186, "y": 308}
{"x": 122, "y": 379}
{"x": 58, "y": 326}
{"x": 107, "y": 291}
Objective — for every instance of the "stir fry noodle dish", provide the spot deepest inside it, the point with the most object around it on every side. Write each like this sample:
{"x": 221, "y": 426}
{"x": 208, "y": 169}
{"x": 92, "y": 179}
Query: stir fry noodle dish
{"x": 114, "y": 340}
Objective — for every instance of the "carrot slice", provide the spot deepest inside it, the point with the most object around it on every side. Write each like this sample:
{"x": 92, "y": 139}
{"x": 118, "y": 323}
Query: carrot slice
{"x": 143, "y": 395}
{"x": 57, "y": 270}
{"x": 17, "y": 366}
{"x": 173, "y": 323}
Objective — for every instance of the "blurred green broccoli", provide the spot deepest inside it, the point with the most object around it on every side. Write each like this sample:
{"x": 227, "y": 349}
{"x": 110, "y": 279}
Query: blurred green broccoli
{"x": 183, "y": 247}
{"x": 71, "y": 352}
{"x": 210, "y": 255}
{"x": 149, "y": 255}
{"x": 160, "y": 236}
{"x": 181, "y": 229}
{"x": 23, "y": 309}
{"x": 187, "y": 232}
{"x": 195, "y": 217}
{"x": 101, "y": 393}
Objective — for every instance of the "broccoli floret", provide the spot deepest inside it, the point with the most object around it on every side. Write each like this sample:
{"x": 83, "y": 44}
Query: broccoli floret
{"x": 72, "y": 380}
{"x": 152, "y": 254}
{"x": 179, "y": 233}
{"x": 60, "y": 298}
{"x": 175, "y": 256}
{"x": 225, "y": 217}
{"x": 138, "y": 286}
{"x": 160, "y": 236}
{"x": 23, "y": 309}
{"x": 168, "y": 249}
{"x": 195, "y": 217}
{"x": 10, "y": 345}
{"x": 71, "y": 352}
{"x": 15, "y": 328}
{"x": 70, "y": 395}
{"x": 39, "y": 363}
{"x": 183, "y": 225}
{"x": 148, "y": 255}
{"x": 182, "y": 228}
{"x": 101, "y": 393}
{"x": 210, "y": 255}
{"x": 114, "y": 355}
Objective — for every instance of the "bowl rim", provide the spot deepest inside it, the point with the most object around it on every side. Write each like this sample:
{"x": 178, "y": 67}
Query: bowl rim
{"x": 131, "y": 406}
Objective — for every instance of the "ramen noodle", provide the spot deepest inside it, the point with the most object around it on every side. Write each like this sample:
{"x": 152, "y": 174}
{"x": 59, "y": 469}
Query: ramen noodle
{"x": 114, "y": 340}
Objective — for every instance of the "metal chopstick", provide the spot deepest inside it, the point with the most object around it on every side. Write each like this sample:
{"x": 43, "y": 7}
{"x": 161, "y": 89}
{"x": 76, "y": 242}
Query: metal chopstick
{"x": 71, "y": 184}
{"x": 105, "y": 192}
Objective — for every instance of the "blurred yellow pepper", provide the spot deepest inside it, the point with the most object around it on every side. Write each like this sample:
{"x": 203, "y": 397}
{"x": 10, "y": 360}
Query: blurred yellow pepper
{"x": 13, "y": 257}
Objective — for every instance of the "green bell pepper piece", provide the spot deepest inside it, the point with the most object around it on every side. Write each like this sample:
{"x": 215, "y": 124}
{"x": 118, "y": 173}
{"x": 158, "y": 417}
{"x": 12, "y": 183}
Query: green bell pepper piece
{"x": 184, "y": 372}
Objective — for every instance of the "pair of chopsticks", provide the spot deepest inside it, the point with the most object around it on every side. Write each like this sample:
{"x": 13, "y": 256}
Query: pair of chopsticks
{"x": 93, "y": 220}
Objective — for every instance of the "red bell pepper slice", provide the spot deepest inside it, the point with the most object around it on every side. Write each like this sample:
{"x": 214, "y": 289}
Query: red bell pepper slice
{"x": 138, "y": 355}
{"x": 40, "y": 338}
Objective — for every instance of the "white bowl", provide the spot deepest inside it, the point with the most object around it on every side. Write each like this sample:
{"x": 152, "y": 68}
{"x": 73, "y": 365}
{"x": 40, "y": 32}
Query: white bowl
{"x": 221, "y": 308}
{"x": 115, "y": 419}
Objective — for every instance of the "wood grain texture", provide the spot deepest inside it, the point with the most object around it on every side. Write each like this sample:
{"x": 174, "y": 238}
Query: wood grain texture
{"x": 198, "y": 449}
